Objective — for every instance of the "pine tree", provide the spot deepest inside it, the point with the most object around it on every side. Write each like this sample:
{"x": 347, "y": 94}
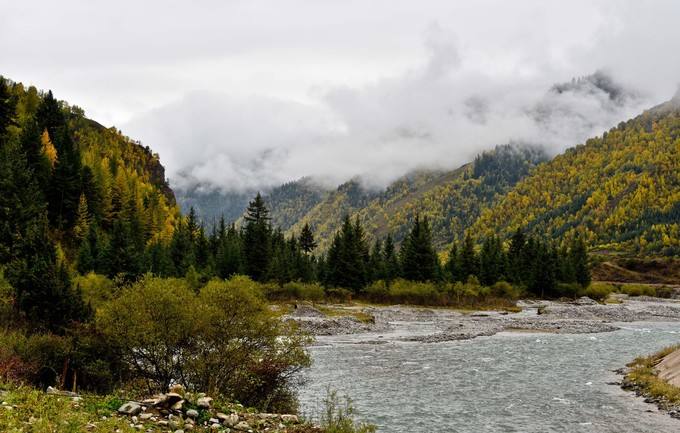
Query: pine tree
{"x": 376, "y": 263}
{"x": 307, "y": 242}
{"x": 83, "y": 220}
{"x": 419, "y": 261}
{"x": 515, "y": 254}
{"x": 469, "y": 262}
{"x": 580, "y": 262}
{"x": 392, "y": 268}
{"x": 491, "y": 260}
{"x": 453, "y": 266}
{"x": 257, "y": 239}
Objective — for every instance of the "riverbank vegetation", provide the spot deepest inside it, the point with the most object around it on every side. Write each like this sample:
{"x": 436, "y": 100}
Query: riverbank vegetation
{"x": 643, "y": 379}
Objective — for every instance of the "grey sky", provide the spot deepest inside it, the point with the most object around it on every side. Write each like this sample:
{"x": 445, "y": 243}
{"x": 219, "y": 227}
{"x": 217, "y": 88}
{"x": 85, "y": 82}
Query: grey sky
{"x": 247, "y": 94}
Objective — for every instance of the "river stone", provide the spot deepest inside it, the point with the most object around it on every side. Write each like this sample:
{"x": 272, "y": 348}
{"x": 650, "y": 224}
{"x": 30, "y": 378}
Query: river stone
{"x": 289, "y": 418}
{"x": 204, "y": 402}
{"x": 192, "y": 413}
{"x": 228, "y": 420}
{"x": 242, "y": 426}
{"x": 130, "y": 408}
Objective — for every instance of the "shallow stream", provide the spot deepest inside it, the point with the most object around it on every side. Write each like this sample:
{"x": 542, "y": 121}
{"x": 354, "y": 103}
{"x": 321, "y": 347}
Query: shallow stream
{"x": 510, "y": 382}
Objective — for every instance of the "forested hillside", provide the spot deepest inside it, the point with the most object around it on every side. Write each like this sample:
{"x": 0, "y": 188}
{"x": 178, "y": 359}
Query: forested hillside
{"x": 452, "y": 200}
{"x": 620, "y": 190}
{"x": 75, "y": 195}
{"x": 289, "y": 202}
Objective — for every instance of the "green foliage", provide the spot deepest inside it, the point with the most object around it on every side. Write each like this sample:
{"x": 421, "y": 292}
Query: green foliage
{"x": 223, "y": 340}
{"x": 96, "y": 289}
{"x": 295, "y": 290}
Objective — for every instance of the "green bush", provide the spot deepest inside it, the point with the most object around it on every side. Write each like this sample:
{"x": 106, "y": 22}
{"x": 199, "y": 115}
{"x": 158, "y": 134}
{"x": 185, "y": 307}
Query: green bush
{"x": 598, "y": 291}
{"x": 503, "y": 289}
{"x": 377, "y": 291}
{"x": 638, "y": 290}
{"x": 223, "y": 340}
{"x": 412, "y": 292}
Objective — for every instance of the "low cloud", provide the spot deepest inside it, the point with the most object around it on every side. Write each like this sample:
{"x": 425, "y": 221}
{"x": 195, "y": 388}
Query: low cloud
{"x": 454, "y": 102}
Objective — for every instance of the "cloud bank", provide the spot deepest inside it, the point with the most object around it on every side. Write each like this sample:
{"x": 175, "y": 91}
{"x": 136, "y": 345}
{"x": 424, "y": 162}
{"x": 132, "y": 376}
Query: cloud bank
{"x": 245, "y": 94}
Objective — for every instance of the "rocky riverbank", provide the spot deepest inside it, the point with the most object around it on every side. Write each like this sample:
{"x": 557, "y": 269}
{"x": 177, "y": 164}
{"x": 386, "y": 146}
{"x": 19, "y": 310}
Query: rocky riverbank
{"x": 431, "y": 325}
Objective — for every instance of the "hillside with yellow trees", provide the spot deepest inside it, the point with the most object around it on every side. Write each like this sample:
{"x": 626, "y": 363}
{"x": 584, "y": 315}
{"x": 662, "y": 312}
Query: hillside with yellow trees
{"x": 621, "y": 191}
{"x": 451, "y": 200}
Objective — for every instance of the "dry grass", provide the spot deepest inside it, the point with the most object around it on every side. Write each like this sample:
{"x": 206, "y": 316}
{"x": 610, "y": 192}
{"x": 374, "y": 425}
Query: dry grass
{"x": 642, "y": 374}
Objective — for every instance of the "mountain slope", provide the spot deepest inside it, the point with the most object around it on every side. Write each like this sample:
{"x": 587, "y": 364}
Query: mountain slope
{"x": 118, "y": 176}
{"x": 621, "y": 190}
{"x": 452, "y": 200}
{"x": 287, "y": 203}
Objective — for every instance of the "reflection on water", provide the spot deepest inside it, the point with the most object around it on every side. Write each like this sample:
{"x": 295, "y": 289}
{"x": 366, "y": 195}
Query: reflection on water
{"x": 510, "y": 382}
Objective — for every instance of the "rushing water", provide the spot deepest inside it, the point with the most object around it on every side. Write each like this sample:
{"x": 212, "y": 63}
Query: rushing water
{"x": 516, "y": 382}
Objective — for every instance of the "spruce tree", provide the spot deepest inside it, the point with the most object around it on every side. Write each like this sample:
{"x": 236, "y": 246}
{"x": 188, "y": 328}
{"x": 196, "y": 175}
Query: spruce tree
{"x": 515, "y": 255}
{"x": 453, "y": 266}
{"x": 469, "y": 261}
{"x": 257, "y": 239}
{"x": 392, "y": 268}
{"x": 307, "y": 242}
{"x": 419, "y": 261}
{"x": 580, "y": 261}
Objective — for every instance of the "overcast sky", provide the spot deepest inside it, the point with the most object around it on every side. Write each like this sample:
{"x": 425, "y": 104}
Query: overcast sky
{"x": 248, "y": 94}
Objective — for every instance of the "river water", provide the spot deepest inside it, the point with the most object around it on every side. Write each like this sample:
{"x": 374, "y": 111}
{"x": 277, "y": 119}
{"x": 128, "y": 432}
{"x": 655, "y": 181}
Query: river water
{"x": 510, "y": 382}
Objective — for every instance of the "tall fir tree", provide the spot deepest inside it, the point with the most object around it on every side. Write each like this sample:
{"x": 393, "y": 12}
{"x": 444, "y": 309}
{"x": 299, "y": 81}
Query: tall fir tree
{"x": 257, "y": 239}
{"x": 419, "y": 261}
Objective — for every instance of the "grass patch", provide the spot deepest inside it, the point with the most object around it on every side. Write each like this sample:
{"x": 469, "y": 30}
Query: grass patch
{"x": 340, "y": 312}
{"x": 643, "y": 378}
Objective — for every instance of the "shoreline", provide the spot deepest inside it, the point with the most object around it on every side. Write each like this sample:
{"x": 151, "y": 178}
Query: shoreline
{"x": 433, "y": 325}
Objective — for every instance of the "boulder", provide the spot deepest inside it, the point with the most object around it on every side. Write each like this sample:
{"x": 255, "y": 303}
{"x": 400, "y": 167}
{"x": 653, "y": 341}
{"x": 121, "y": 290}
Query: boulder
{"x": 242, "y": 426}
{"x": 289, "y": 418}
{"x": 130, "y": 408}
{"x": 192, "y": 413}
{"x": 204, "y": 402}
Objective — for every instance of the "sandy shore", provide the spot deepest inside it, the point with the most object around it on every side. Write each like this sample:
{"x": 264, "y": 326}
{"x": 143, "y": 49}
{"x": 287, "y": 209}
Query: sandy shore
{"x": 407, "y": 323}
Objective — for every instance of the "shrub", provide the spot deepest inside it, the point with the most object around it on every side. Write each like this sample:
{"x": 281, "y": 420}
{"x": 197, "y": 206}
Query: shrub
{"x": 412, "y": 292}
{"x": 223, "y": 340}
{"x": 638, "y": 290}
{"x": 503, "y": 289}
{"x": 377, "y": 291}
{"x": 598, "y": 291}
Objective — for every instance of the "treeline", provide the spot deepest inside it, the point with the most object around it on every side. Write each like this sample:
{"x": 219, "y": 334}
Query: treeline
{"x": 263, "y": 253}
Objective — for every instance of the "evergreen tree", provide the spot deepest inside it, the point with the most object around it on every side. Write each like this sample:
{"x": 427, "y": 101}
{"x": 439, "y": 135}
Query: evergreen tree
{"x": 376, "y": 263}
{"x": 515, "y": 255}
{"x": 257, "y": 239}
{"x": 469, "y": 262}
{"x": 419, "y": 261}
{"x": 307, "y": 242}
{"x": 491, "y": 260}
{"x": 453, "y": 265}
{"x": 580, "y": 261}
{"x": 391, "y": 260}
{"x": 229, "y": 259}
